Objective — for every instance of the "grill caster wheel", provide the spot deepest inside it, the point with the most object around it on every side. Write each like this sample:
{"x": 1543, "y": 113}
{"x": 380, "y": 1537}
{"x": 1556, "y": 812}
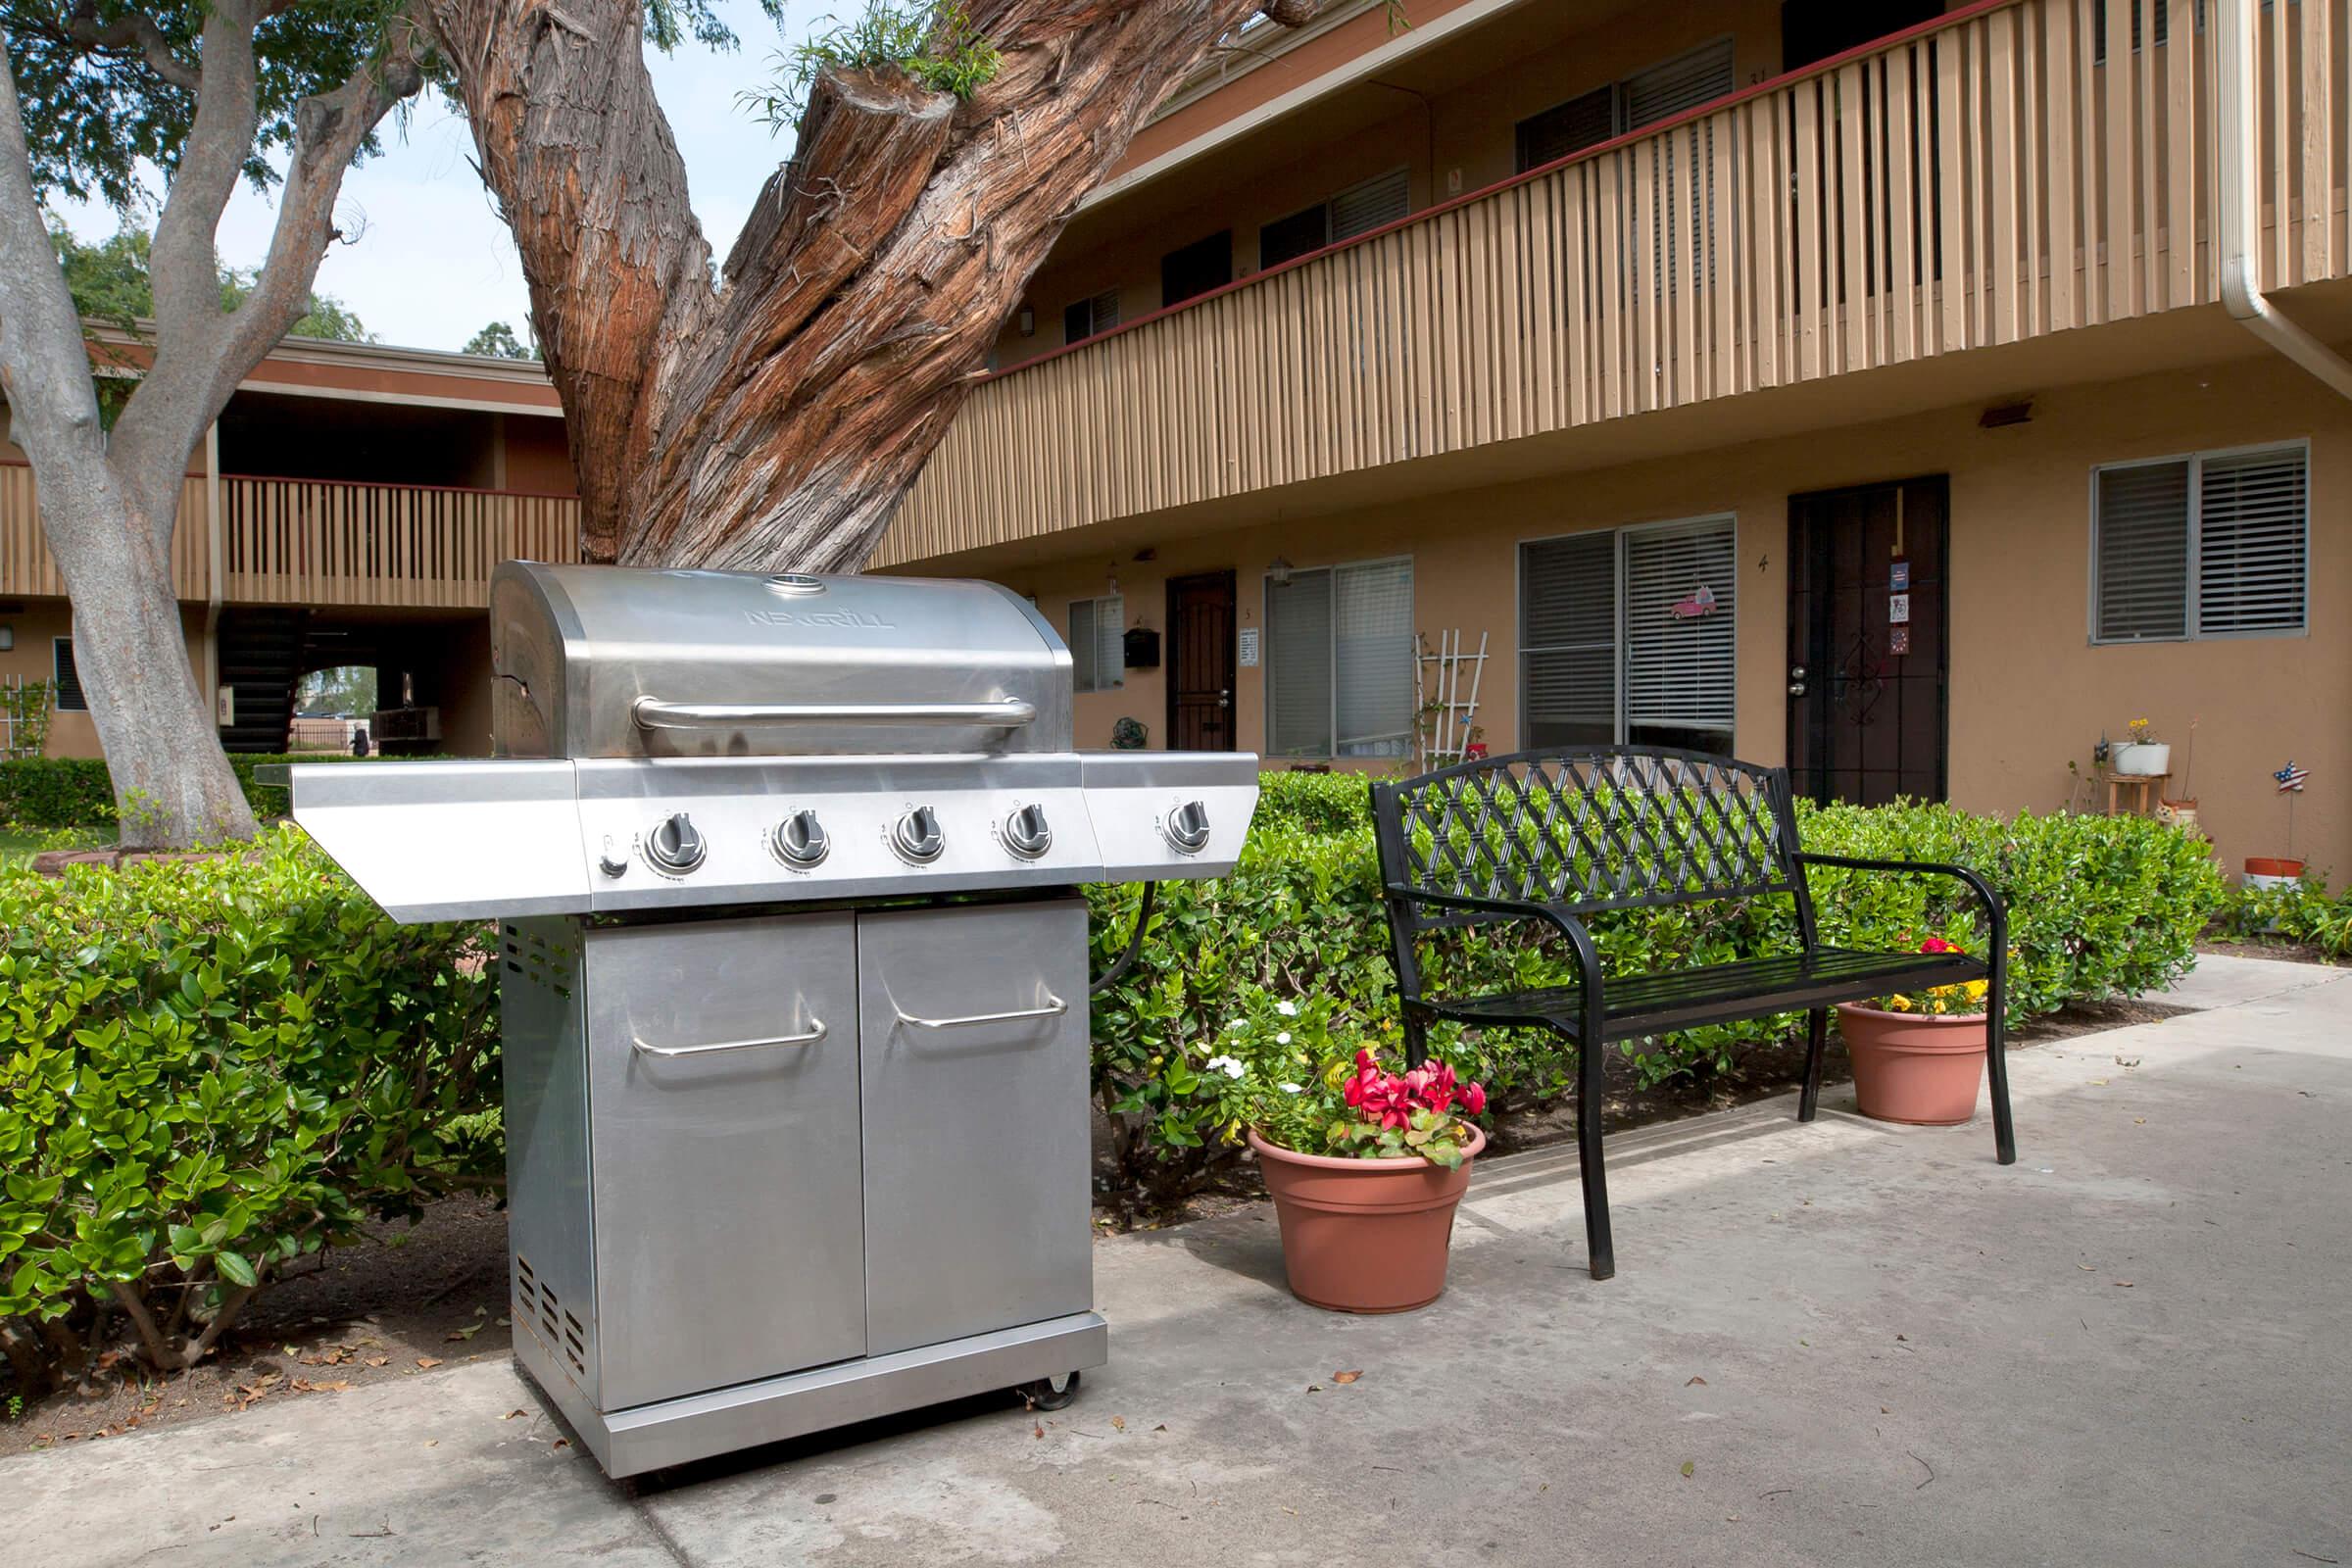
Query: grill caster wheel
{"x": 1049, "y": 1393}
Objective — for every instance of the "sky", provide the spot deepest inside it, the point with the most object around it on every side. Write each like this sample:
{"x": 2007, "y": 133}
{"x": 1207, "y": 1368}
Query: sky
{"x": 432, "y": 264}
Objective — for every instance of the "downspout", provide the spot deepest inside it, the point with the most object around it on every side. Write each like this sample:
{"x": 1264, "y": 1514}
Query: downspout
{"x": 215, "y": 569}
{"x": 2240, "y": 148}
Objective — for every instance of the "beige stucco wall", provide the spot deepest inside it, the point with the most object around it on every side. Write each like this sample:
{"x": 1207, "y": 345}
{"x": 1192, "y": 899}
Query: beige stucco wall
{"x": 35, "y": 625}
{"x": 2028, "y": 691}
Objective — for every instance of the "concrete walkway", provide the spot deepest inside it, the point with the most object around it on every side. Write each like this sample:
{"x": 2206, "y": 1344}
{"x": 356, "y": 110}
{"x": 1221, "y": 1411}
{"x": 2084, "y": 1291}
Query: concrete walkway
{"x": 1846, "y": 1342}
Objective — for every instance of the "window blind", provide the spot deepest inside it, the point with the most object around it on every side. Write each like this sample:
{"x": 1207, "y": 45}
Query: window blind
{"x": 1361, "y": 208}
{"x": 1372, "y": 658}
{"x": 1098, "y": 644}
{"x": 1568, "y": 640}
{"x": 1678, "y": 667}
{"x": 1686, "y": 82}
{"x": 1308, "y": 230}
{"x": 1298, "y": 656}
{"x": 2142, "y": 551}
{"x": 1087, "y": 316}
{"x": 2251, "y": 525}
{"x": 1584, "y": 120}
{"x": 65, "y": 692}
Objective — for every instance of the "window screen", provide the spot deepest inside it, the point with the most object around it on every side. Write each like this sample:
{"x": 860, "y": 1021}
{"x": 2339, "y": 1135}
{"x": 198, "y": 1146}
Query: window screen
{"x": 1285, "y": 238}
{"x": 1372, "y": 658}
{"x": 1098, "y": 644}
{"x": 1086, "y": 318}
{"x": 1298, "y": 718}
{"x": 2204, "y": 546}
{"x": 68, "y": 697}
{"x": 1568, "y": 640}
{"x": 2142, "y": 551}
{"x": 1361, "y": 208}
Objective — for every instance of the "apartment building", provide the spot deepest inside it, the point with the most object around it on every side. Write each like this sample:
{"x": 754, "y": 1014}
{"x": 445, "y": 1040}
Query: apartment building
{"x": 1849, "y": 386}
{"x": 346, "y": 509}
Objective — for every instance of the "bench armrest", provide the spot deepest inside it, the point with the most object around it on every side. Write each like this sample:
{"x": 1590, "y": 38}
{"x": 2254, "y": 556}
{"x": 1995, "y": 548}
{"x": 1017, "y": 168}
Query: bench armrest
{"x": 1995, "y": 911}
{"x": 1587, "y": 957}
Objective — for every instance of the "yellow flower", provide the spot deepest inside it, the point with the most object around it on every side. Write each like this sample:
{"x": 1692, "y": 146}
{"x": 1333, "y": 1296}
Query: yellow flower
{"x": 1976, "y": 989}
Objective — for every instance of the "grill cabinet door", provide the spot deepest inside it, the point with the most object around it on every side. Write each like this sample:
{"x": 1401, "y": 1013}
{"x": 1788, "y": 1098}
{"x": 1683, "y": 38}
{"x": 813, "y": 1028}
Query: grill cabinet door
{"x": 730, "y": 1239}
{"x": 976, "y": 1132}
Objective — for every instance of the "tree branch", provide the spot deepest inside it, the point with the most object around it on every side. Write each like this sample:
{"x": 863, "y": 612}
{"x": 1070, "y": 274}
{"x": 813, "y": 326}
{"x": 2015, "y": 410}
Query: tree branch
{"x": 45, "y": 370}
{"x": 183, "y": 265}
{"x": 134, "y": 33}
{"x": 187, "y": 387}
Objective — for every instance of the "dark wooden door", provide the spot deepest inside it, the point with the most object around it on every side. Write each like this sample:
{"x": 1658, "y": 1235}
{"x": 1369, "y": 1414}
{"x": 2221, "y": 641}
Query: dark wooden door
{"x": 1866, "y": 686}
{"x": 1200, "y": 662}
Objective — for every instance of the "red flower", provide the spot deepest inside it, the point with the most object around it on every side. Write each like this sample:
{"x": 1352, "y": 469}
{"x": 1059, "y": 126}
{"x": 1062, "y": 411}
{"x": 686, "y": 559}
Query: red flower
{"x": 1474, "y": 1097}
{"x": 1936, "y": 944}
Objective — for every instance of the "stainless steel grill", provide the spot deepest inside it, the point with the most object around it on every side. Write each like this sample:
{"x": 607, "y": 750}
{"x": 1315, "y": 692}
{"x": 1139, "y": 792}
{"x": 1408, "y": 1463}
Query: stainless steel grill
{"x": 793, "y": 979}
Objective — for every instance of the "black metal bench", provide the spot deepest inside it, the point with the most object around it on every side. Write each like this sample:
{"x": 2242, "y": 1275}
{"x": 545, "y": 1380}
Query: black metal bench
{"x": 1553, "y": 836}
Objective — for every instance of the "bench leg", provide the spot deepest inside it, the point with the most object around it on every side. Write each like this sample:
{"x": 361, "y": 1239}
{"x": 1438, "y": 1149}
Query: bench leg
{"x": 1997, "y": 1054}
{"x": 1416, "y": 1039}
{"x": 1589, "y": 1057}
{"x": 1817, "y": 1040}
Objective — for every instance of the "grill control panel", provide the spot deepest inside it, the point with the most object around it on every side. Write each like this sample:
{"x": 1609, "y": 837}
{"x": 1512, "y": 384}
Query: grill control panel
{"x": 800, "y": 840}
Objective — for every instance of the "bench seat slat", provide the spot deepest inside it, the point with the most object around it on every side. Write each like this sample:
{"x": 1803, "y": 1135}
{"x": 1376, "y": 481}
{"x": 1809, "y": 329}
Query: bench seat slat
{"x": 1752, "y": 988}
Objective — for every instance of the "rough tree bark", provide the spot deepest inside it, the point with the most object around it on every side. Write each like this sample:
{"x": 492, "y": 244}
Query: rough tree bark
{"x": 110, "y": 500}
{"x": 776, "y": 417}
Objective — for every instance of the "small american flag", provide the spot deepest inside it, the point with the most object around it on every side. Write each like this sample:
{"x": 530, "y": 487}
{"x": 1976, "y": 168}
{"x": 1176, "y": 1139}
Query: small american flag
{"x": 2292, "y": 777}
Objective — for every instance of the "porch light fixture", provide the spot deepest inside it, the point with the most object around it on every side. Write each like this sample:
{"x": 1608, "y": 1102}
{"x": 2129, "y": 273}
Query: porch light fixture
{"x": 1028, "y": 320}
{"x": 1278, "y": 571}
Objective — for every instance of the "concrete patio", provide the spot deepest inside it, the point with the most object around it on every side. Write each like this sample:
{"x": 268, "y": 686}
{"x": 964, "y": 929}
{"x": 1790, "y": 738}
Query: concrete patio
{"x": 1838, "y": 1343}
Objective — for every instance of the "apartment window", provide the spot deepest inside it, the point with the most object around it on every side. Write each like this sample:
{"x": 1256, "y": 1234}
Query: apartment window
{"x": 1354, "y": 213}
{"x": 1664, "y": 90}
{"x": 1196, "y": 268}
{"x": 1357, "y": 210}
{"x": 1626, "y": 636}
{"x": 65, "y": 679}
{"x": 2210, "y": 545}
{"x": 1098, "y": 643}
{"x": 1339, "y": 662}
{"x": 1084, "y": 318}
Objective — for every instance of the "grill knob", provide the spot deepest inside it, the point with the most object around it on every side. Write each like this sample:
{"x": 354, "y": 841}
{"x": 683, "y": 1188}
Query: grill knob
{"x": 917, "y": 835}
{"x": 801, "y": 840}
{"x": 1026, "y": 833}
{"x": 1188, "y": 827}
{"x": 675, "y": 846}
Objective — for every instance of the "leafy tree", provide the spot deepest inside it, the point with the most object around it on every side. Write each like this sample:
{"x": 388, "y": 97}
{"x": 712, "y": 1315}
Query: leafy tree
{"x": 110, "y": 282}
{"x": 498, "y": 340}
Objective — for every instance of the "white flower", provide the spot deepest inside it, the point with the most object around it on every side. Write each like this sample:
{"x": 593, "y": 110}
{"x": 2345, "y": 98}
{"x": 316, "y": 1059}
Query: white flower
{"x": 1288, "y": 1089}
{"x": 1282, "y": 1039}
{"x": 1289, "y": 1009}
{"x": 1236, "y": 1027}
{"x": 1226, "y": 1066}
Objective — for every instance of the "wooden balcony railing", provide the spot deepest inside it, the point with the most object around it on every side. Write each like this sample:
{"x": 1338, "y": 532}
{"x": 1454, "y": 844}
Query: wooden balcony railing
{"x": 322, "y": 542}
{"x": 2014, "y": 168}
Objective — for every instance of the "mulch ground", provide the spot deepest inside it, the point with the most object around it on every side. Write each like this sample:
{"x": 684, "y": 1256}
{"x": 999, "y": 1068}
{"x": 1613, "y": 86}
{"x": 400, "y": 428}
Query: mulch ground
{"x": 435, "y": 1293}
{"x": 2267, "y": 948}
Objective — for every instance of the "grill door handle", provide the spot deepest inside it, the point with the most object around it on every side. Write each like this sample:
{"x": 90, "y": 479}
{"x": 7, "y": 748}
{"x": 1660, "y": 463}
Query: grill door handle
{"x": 808, "y": 1037}
{"x": 651, "y": 713}
{"x": 1054, "y": 1007}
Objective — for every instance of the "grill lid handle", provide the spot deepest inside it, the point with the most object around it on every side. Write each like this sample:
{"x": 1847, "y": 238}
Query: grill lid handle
{"x": 651, "y": 713}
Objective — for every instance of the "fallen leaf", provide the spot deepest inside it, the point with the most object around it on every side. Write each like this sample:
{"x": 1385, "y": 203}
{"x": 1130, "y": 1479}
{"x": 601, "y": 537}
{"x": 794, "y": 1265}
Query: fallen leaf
{"x": 379, "y": 1360}
{"x": 2097, "y": 1083}
{"x": 1041, "y": 1429}
{"x": 1901, "y": 1339}
{"x": 428, "y": 1360}
{"x": 1346, "y": 1377}
{"x": 559, "y": 1444}
{"x": 1119, "y": 1422}
{"x": 1315, "y": 1388}
{"x": 2086, "y": 1268}
{"x": 1695, "y": 1383}
{"x": 466, "y": 1333}
{"x": 1688, "y": 1466}
{"x": 511, "y": 1416}
{"x": 432, "y": 1443}
{"x": 1162, "y": 1427}
{"x": 1882, "y": 1410}
{"x": 2124, "y": 1284}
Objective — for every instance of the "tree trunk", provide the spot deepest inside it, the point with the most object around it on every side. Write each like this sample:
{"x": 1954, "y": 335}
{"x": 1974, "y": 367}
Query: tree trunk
{"x": 777, "y": 419}
{"x": 173, "y": 783}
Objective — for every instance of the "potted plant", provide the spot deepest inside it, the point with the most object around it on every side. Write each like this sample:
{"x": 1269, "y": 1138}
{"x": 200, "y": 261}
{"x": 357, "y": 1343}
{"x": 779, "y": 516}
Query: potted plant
{"x": 2142, "y": 756}
{"x": 2265, "y": 872}
{"x": 1919, "y": 1055}
{"x": 1365, "y": 1183}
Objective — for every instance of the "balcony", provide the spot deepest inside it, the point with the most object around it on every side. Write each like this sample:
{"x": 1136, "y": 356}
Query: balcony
{"x": 321, "y": 542}
{"x": 1990, "y": 179}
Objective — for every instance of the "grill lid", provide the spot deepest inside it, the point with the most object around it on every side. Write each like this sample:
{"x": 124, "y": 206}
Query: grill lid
{"x": 603, "y": 662}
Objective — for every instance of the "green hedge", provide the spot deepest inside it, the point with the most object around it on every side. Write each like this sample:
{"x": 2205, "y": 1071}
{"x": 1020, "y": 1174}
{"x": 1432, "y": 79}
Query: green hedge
{"x": 2302, "y": 911}
{"x": 2099, "y": 908}
{"x": 77, "y": 792}
{"x": 210, "y": 1068}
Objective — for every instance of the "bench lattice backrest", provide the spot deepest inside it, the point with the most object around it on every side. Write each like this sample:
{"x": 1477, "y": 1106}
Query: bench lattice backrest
{"x": 1608, "y": 828}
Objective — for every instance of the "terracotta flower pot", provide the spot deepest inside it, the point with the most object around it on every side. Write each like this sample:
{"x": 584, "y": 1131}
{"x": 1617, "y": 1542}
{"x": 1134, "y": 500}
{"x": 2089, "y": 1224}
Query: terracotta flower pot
{"x": 1365, "y": 1235}
{"x": 2272, "y": 869}
{"x": 1914, "y": 1067}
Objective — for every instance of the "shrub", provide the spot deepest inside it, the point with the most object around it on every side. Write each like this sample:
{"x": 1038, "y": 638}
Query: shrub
{"x": 2302, "y": 911}
{"x": 210, "y": 1068}
{"x": 2098, "y": 908}
{"x": 77, "y": 792}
